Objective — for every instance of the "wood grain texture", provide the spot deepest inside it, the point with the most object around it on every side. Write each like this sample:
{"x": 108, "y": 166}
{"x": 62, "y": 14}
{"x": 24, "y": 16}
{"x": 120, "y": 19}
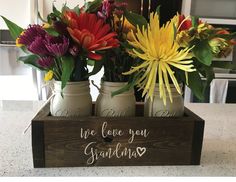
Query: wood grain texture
{"x": 171, "y": 141}
{"x": 38, "y": 144}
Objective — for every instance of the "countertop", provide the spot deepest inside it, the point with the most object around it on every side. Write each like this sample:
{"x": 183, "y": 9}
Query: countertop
{"x": 218, "y": 154}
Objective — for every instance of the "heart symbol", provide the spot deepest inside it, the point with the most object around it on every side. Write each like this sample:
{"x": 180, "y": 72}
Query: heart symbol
{"x": 141, "y": 151}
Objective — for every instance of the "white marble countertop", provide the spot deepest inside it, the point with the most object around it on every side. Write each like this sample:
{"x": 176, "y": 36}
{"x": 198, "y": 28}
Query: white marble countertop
{"x": 218, "y": 154}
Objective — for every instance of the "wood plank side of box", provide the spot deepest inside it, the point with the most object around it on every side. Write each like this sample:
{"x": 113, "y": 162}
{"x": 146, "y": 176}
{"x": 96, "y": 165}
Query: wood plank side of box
{"x": 128, "y": 141}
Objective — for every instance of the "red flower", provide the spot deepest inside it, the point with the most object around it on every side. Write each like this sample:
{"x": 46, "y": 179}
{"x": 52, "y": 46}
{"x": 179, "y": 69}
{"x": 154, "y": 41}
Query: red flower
{"x": 222, "y": 32}
{"x": 70, "y": 17}
{"x": 91, "y": 33}
{"x": 184, "y": 23}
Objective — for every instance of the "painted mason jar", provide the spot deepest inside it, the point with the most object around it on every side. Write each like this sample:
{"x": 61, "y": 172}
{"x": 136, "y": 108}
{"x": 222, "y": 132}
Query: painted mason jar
{"x": 121, "y": 105}
{"x": 156, "y": 108}
{"x": 74, "y": 100}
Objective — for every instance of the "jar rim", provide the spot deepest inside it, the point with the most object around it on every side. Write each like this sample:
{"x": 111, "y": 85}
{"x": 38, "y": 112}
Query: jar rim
{"x": 113, "y": 84}
{"x": 71, "y": 83}
{"x": 172, "y": 87}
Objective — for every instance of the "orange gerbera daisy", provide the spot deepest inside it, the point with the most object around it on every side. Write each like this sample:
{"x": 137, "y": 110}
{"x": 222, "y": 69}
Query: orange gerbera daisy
{"x": 91, "y": 33}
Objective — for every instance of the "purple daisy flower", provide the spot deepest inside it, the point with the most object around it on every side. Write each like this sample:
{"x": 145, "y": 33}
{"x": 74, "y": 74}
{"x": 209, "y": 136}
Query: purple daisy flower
{"x": 46, "y": 62}
{"x": 29, "y": 35}
{"x": 57, "y": 46}
{"x": 38, "y": 47}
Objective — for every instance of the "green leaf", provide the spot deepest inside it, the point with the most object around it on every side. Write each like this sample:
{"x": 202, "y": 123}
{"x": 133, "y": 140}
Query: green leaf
{"x": 14, "y": 29}
{"x": 96, "y": 68}
{"x": 158, "y": 10}
{"x": 25, "y": 50}
{"x": 125, "y": 45}
{"x": 67, "y": 69}
{"x": 196, "y": 84}
{"x": 56, "y": 11}
{"x": 202, "y": 51}
{"x": 92, "y": 6}
{"x": 77, "y": 9}
{"x": 64, "y": 8}
{"x": 91, "y": 62}
{"x": 31, "y": 60}
{"x": 210, "y": 75}
{"x": 223, "y": 64}
{"x": 206, "y": 71}
{"x": 125, "y": 88}
{"x": 195, "y": 21}
{"x": 135, "y": 19}
{"x": 226, "y": 36}
{"x": 49, "y": 20}
{"x": 52, "y": 31}
{"x": 131, "y": 83}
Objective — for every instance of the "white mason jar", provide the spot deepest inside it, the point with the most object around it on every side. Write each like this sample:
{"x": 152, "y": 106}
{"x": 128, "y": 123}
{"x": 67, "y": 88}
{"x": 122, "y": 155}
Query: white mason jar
{"x": 156, "y": 108}
{"x": 76, "y": 100}
{"x": 121, "y": 105}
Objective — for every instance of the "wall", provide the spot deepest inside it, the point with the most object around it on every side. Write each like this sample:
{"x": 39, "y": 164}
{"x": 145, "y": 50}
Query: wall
{"x": 15, "y": 78}
{"x": 47, "y": 4}
{"x": 17, "y": 11}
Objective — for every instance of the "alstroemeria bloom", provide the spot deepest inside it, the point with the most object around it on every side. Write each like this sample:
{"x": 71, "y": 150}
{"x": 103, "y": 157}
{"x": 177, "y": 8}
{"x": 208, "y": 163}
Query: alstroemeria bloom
{"x": 184, "y": 23}
{"x": 91, "y": 33}
{"x": 127, "y": 27}
{"x": 225, "y": 32}
{"x": 159, "y": 50}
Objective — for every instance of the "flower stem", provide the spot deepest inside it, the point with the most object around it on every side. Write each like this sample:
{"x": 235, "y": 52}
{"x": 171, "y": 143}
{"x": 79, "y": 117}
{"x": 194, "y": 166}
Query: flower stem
{"x": 57, "y": 69}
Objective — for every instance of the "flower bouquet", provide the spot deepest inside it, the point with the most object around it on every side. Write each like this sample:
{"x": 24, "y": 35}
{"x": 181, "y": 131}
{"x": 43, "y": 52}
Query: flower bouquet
{"x": 116, "y": 60}
{"x": 63, "y": 47}
{"x": 176, "y": 54}
{"x": 135, "y": 52}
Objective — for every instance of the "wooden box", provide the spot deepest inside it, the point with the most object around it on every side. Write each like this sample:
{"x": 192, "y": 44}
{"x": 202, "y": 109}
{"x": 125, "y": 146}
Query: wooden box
{"x": 129, "y": 141}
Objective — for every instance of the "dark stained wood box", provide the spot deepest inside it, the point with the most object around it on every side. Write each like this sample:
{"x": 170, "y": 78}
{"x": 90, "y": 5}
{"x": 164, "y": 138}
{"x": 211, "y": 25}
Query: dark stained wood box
{"x": 129, "y": 141}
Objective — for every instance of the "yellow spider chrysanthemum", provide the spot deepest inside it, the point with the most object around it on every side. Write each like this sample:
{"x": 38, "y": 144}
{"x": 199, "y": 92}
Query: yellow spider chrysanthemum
{"x": 158, "y": 48}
